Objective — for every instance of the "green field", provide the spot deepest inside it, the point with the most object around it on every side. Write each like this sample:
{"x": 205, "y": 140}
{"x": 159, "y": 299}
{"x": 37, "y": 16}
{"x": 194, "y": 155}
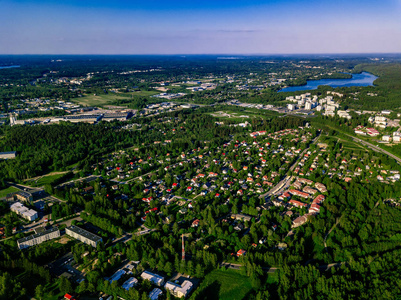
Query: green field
{"x": 109, "y": 99}
{"x": 223, "y": 285}
{"x": 48, "y": 179}
{"x": 8, "y": 190}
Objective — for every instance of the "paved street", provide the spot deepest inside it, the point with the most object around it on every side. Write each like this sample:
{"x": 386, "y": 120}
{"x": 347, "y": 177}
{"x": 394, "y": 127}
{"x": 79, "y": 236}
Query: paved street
{"x": 286, "y": 181}
{"x": 375, "y": 148}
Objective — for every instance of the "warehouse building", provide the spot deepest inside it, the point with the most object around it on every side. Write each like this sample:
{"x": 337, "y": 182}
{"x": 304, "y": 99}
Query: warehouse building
{"x": 38, "y": 238}
{"x": 83, "y": 235}
{"x": 24, "y": 211}
{"x": 117, "y": 116}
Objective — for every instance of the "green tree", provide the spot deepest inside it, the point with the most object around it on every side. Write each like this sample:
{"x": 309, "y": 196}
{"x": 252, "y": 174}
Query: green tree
{"x": 39, "y": 292}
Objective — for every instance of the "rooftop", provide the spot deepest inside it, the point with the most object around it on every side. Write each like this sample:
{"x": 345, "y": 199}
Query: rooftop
{"x": 34, "y": 236}
{"x": 83, "y": 232}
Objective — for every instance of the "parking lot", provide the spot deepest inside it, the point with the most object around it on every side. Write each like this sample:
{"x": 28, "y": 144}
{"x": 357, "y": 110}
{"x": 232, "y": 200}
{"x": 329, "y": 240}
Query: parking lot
{"x": 64, "y": 265}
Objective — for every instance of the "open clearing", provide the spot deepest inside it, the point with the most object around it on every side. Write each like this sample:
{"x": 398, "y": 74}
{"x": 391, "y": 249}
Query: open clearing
{"x": 224, "y": 285}
{"x": 45, "y": 179}
{"x": 8, "y": 190}
{"x": 100, "y": 100}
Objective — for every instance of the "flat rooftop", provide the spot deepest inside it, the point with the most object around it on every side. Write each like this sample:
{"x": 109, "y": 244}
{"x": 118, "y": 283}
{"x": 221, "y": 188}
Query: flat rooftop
{"x": 83, "y": 232}
{"x": 34, "y": 236}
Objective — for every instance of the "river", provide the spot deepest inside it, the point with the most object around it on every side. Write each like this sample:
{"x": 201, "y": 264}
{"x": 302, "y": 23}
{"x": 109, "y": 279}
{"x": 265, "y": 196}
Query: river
{"x": 9, "y": 67}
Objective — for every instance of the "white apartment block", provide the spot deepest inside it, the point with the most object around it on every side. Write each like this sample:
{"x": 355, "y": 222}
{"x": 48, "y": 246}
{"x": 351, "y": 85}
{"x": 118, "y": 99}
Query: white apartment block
{"x": 38, "y": 238}
{"x": 83, "y": 235}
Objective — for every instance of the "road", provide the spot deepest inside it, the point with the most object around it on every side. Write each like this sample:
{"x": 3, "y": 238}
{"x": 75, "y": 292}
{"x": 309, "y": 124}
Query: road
{"x": 87, "y": 179}
{"x": 143, "y": 175}
{"x": 272, "y": 270}
{"x": 286, "y": 181}
{"x": 35, "y": 179}
{"x": 33, "y": 226}
{"x": 26, "y": 188}
{"x": 375, "y": 148}
{"x": 331, "y": 229}
{"x": 42, "y": 194}
{"x": 144, "y": 231}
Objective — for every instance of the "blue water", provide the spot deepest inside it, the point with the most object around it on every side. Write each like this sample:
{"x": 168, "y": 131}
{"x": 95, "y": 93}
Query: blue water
{"x": 363, "y": 79}
{"x": 9, "y": 67}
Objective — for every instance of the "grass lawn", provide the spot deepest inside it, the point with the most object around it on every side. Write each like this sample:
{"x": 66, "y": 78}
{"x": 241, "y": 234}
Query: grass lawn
{"x": 54, "y": 292}
{"x": 98, "y": 100}
{"x": 223, "y": 285}
{"x": 8, "y": 190}
{"x": 107, "y": 99}
{"x": 47, "y": 179}
{"x": 145, "y": 93}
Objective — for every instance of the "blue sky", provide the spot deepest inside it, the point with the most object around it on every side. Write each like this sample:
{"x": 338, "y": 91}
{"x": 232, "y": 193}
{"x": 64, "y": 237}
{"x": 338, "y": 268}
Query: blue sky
{"x": 199, "y": 27}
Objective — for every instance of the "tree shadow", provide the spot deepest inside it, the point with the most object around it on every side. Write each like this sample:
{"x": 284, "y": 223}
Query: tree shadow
{"x": 211, "y": 292}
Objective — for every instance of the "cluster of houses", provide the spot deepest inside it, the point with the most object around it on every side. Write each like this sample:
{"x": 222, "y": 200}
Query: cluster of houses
{"x": 216, "y": 173}
{"x": 346, "y": 169}
{"x": 178, "y": 288}
{"x": 302, "y": 189}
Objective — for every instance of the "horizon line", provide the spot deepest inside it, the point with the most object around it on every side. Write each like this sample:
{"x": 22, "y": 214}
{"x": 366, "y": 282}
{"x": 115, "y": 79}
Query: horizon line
{"x": 211, "y": 54}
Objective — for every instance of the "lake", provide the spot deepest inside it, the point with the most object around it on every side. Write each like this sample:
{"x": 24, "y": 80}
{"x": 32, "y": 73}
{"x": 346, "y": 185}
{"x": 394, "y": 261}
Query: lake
{"x": 363, "y": 79}
{"x": 8, "y": 67}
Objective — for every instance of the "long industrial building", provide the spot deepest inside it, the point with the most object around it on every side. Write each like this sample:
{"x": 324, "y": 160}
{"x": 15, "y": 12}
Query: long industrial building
{"x": 83, "y": 235}
{"x": 8, "y": 155}
{"x": 38, "y": 238}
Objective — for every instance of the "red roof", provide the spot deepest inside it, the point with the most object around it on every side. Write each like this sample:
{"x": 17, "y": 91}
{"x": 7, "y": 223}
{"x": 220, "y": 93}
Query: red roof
{"x": 68, "y": 296}
{"x": 319, "y": 199}
{"x": 297, "y": 203}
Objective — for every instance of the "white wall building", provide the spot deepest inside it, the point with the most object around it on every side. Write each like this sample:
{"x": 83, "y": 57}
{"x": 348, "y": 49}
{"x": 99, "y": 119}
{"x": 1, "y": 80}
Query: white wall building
{"x": 179, "y": 290}
{"x": 23, "y": 211}
{"x": 154, "y": 278}
{"x": 83, "y": 235}
{"x": 38, "y": 238}
{"x": 291, "y": 106}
